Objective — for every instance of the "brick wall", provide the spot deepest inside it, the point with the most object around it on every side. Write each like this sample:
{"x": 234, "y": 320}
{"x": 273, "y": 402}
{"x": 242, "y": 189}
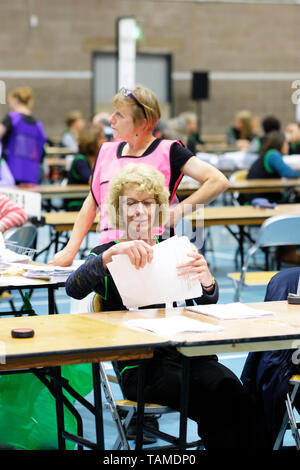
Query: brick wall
{"x": 200, "y": 36}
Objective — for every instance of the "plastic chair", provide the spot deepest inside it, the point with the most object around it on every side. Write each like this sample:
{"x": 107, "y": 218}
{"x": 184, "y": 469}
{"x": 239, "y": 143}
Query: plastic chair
{"x": 25, "y": 235}
{"x": 122, "y": 411}
{"x": 279, "y": 230}
{"x": 289, "y": 419}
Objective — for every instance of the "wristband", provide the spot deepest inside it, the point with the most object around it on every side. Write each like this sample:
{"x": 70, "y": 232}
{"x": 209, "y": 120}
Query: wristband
{"x": 211, "y": 285}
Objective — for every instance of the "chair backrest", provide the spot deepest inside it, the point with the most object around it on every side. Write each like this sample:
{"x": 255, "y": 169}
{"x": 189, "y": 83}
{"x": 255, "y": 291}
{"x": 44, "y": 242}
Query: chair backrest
{"x": 24, "y": 236}
{"x": 279, "y": 230}
{"x": 95, "y": 304}
{"x": 238, "y": 175}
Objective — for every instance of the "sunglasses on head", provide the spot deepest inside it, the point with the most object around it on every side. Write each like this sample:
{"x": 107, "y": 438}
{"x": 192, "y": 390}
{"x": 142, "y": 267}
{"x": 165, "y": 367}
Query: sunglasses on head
{"x": 129, "y": 94}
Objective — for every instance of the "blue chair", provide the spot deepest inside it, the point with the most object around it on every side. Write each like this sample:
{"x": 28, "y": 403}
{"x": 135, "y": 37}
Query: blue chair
{"x": 270, "y": 375}
{"x": 276, "y": 231}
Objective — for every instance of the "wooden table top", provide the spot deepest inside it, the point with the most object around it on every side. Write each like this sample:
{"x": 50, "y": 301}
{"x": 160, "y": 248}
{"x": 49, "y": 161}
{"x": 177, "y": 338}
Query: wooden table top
{"x": 89, "y": 337}
{"x": 239, "y": 215}
{"x": 186, "y": 187}
{"x": 257, "y": 334}
{"x": 70, "y": 339}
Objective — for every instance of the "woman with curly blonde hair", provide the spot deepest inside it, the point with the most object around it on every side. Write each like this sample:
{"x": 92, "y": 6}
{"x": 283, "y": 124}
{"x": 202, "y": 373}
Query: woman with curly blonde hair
{"x": 136, "y": 194}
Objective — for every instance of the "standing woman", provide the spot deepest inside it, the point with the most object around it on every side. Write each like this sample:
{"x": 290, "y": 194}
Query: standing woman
{"x": 23, "y": 138}
{"x": 135, "y": 116}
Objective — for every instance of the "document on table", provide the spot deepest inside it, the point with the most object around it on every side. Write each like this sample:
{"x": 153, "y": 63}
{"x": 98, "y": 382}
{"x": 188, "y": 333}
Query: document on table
{"x": 171, "y": 326}
{"x": 231, "y": 311}
{"x": 36, "y": 271}
{"x": 158, "y": 282}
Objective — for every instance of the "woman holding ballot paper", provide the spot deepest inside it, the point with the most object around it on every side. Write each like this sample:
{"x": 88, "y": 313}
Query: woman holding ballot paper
{"x": 135, "y": 116}
{"x": 223, "y": 410}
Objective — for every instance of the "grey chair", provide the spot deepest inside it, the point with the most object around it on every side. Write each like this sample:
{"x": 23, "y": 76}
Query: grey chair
{"x": 25, "y": 235}
{"x": 279, "y": 230}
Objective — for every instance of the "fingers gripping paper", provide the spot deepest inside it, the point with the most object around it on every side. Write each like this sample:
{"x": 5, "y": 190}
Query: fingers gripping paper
{"x": 157, "y": 282}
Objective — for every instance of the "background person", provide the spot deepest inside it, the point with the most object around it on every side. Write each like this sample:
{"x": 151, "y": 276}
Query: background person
{"x": 23, "y": 138}
{"x": 90, "y": 139}
{"x": 270, "y": 164}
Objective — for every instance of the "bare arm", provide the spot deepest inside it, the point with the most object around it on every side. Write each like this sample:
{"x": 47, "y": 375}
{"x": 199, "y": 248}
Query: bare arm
{"x": 2, "y": 130}
{"x": 212, "y": 181}
{"x": 83, "y": 223}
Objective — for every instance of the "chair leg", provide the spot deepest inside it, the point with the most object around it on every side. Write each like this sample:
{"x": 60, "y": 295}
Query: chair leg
{"x": 287, "y": 419}
{"x": 113, "y": 409}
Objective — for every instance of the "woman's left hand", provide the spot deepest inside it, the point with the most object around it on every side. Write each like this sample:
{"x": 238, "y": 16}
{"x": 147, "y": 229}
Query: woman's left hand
{"x": 197, "y": 266}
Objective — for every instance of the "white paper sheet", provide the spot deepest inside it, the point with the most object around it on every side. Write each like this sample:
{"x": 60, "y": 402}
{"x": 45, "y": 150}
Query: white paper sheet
{"x": 232, "y": 311}
{"x": 171, "y": 326}
{"x": 158, "y": 282}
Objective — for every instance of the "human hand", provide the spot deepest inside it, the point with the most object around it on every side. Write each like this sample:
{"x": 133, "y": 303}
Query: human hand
{"x": 138, "y": 251}
{"x": 197, "y": 266}
{"x": 64, "y": 257}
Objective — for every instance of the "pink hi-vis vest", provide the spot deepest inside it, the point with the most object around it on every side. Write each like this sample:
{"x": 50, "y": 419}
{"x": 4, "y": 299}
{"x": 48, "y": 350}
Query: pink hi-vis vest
{"x": 108, "y": 164}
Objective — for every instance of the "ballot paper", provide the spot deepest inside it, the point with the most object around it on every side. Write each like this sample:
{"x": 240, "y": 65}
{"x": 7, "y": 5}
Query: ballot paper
{"x": 36, "y": 271}
{"x": 231, "y": 311}
{"x": 158, "y": 282}
{"x": 57, "y": 273}
{"x": 170, "y": 326}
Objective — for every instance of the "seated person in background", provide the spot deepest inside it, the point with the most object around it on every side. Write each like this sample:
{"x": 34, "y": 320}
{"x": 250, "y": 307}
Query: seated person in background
{"x": 11, "y": 215}
{"x": 194, "y": 142}
{"x": 225, "y": 414}
{"x": 90, "y": 139}
{"x": 74, "y": 122}
{"x": 102, "y": 120}
{"x": 292, "y": 132}
{"x": 268, "y": 124}
{"x": 266, "y": 374}
{"x": 268, "y": 165}
{"x": 241, "y": 133}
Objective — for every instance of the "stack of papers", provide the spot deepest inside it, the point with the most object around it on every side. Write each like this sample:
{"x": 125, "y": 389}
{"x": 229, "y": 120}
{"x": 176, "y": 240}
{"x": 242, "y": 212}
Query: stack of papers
{"x": 158, "y": 282}
{"x": 36, "y": 271}
{"x": 55, "y": 273}
{"x": 171, "y": 326}
{"x": 231, "y": 311}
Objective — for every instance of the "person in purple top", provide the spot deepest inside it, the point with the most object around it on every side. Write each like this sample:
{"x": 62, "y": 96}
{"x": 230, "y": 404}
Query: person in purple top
{"x": 23, "y": 138}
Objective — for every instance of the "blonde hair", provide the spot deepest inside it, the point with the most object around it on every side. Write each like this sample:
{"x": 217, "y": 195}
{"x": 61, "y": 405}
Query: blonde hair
{"x": 246, "y": 119}
{"x": 143, "y": 178}
{"x": 23, "y": 94}
{"x": 148, "y": 102}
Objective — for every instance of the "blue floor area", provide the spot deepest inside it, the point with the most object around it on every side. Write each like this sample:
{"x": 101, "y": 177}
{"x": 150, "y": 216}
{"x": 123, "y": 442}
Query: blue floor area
{"x": 220, "y": 255}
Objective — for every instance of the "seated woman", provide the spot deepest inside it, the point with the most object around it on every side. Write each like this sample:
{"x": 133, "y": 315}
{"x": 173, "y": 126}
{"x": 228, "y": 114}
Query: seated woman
{"x": 270, "y": 164}
{"x": 90, "y": 139}
{"x": 224, "y": 412}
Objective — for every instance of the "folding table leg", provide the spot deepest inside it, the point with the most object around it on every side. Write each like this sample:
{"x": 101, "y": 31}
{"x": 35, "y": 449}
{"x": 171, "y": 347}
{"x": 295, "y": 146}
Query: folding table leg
{"x": 57, "y": 385}
{"x": 98, "y": 406}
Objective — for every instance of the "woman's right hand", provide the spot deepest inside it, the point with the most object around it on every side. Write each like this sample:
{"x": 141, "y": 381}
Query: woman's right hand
{"x": 138, "y": 251}
{"x": 64, "y": 257}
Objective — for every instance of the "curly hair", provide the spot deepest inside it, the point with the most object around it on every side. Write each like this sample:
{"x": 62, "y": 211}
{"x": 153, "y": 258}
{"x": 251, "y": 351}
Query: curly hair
{"x": 143, "y": 178}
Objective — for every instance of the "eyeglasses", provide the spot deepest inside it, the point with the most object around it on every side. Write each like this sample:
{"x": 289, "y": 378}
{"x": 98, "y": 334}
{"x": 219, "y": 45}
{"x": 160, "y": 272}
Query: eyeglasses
{"x": 129, "y": 94}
